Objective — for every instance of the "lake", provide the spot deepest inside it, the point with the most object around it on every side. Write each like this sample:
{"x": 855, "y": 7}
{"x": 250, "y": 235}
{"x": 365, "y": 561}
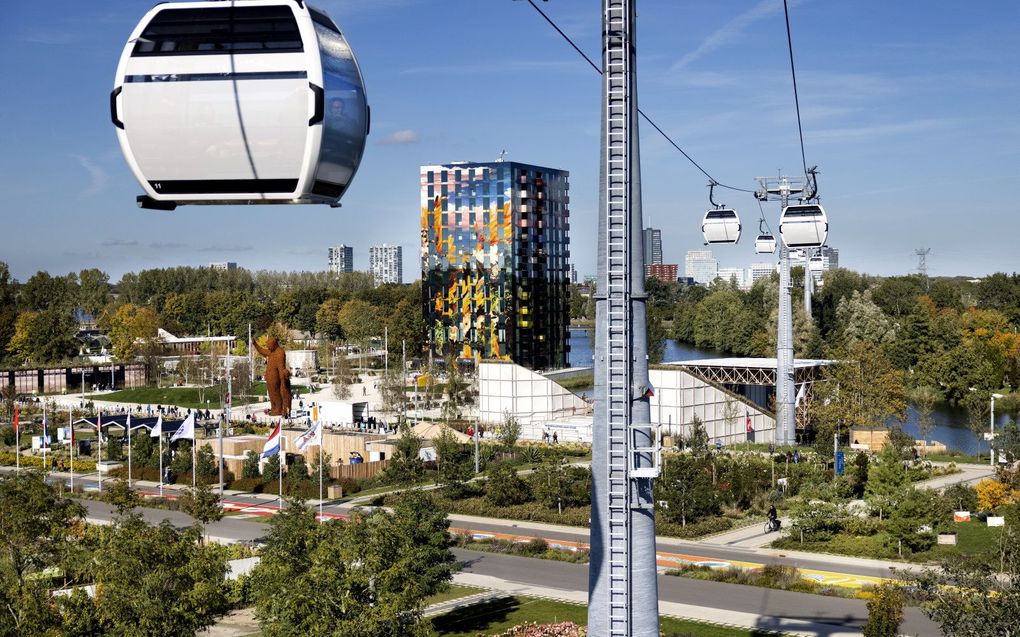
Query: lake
{"x": 950, "y": 423}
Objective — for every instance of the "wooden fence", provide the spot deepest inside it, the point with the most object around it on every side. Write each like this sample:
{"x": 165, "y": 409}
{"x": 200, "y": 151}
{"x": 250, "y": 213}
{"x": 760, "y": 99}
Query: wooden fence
{"x": 360, "y": 471}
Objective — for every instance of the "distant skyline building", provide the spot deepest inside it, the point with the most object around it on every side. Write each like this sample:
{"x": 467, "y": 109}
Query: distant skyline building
{"x": 822, "y": 260}
{"x": 735, "y": 275}
{"x": 701, "y": 266}
{"x": 652, "y": 246}
{"x": 386, "y": 263}
{"x": 573, "y": 274}
{"x": 662, "y": 271}
{"x": 341, "y": 259}
{"x": 495, "y": 261}
{"x": 759, "y": 271}
{"x": 223, "y": 265}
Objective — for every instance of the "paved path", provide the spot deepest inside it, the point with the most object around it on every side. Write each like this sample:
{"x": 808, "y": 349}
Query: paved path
{"x": 745, "y": 606}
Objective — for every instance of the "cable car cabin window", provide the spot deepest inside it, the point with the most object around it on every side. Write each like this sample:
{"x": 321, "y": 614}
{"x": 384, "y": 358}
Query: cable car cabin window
{"x": 220, "y": 30}
{"x": 811, "y": 212}
{"x": 320, "y": 18}
{"x": 721, "y": 214}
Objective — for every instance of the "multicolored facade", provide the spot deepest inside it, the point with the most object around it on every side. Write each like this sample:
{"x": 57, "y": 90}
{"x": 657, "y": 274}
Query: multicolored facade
{"x": 495, "y": 261}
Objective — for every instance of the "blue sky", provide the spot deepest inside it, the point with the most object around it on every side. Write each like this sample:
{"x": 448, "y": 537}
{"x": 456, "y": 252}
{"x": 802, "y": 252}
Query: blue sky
{"x": 910, "y": 109}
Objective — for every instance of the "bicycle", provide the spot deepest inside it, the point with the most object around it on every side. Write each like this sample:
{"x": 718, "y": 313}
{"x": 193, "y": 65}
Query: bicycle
{"x": 772, "y": 525}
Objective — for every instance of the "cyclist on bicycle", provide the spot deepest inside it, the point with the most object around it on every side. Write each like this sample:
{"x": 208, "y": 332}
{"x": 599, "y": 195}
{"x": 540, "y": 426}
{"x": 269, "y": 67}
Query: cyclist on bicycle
{"x": 773, "y": 517}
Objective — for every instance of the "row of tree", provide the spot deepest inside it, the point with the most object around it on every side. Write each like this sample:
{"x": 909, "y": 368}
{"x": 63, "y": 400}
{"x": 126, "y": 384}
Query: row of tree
{"x": 369, "y": 575}
{"x": 40, "y": 317}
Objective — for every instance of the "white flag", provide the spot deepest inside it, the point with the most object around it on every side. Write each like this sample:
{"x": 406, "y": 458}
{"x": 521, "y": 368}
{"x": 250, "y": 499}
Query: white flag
{"x": 311, "y": 437}
{"x": 157, "y": 429}
{"x": 186, "y": 431}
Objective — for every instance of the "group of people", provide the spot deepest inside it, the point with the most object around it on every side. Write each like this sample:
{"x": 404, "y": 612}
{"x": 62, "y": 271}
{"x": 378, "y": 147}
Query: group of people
{"x": 555, "y": 438}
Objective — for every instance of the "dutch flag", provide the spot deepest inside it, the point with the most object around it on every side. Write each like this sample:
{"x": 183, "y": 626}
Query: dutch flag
{"x": 272, "y": 446}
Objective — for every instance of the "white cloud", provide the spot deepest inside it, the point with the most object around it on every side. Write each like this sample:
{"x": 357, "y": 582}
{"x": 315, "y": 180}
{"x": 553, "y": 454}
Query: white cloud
{"x": 98, "y": 178}
{"x": 406, "y": 136}
{"x": 730, "y": 31}
{"x": 860, "y": 133}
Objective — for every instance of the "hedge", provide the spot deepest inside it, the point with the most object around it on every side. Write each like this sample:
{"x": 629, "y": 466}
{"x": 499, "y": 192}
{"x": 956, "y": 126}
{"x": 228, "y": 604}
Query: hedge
{"x": 8, "y": 458}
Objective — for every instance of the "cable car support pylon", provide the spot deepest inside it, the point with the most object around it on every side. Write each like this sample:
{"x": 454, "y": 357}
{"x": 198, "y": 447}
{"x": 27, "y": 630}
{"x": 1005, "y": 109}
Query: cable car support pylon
{"x": 623, "y": 591}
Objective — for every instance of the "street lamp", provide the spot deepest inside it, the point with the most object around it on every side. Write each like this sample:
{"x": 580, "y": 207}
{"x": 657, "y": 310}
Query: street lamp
{"x": 991, "y": 427}
{"x": 991, "y": 435}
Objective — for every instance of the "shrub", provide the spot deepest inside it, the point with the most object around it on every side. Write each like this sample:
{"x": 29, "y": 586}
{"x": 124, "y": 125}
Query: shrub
{"x": 885, "y": 611}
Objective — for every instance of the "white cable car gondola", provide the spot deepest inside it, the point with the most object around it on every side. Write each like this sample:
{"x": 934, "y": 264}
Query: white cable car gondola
{"x": 721, "y": 225}
{"x": 804, "y": 226}
{"x": 765, "y": 244}
{"x": 246, "y": 102}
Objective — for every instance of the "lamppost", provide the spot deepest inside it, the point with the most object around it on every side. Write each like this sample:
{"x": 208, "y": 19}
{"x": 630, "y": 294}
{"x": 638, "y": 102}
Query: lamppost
{"x": 991, "y": 434}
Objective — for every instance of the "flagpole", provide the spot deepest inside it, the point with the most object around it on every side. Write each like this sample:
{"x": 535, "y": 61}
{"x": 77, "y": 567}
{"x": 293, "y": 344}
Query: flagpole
{"x": 159, "y": 424}
{"x": 319, "y": 437}
{"x": 70, "y": 431}
{"x": 281, "y": 457}
{"x": 44, "y": 439}
{"x": 99, "y": 459}
{"x": 194, "y": 458}
{"x": 17, "y": 443}
{"x": 129, "y": 446}
{"x": 225, "y": 420}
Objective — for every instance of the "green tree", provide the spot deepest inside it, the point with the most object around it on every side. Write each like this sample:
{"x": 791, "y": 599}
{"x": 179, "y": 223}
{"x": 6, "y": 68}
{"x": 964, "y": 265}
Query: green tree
{"x": 860, "y": 320}
{"x": 509, "y": 431}
{"x": 453, "y": 459}
{"x": 862, "y": 389}
{"x": 202, "y": 503}
{"x": 156, "y": 580}
{"x": 887, "y": 481}
{"x": 122, "y": 496}
{"x": 924, "y": 399}
{"x": 556, "y": 484}
{"x": 327, "y": 320}
{"x": 129, "y": 327}
{"x": 43, "y": 292}
{"x": 697, "y": 439}
{"x": 367, "y": 576}
{"x": 359, "y": 321}
{"x": 406, "y": 465}
{"x": 504, "y": 487}
{"x": 35, "y": 525}
{"x": 885, "y": 611}
{"x": 686, "y": 488}
{"x": 250, "y": 468}
{"x": 912, "y": 524}
{"x": 968, "y": 597}
{"x": 8, "y": 308}
{"x": 44, "y": 336}
{"x": 94, "y": 290}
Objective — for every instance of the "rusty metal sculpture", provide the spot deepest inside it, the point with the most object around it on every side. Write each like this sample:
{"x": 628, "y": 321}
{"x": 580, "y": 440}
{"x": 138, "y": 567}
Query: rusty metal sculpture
{"x": 277, "y": 376}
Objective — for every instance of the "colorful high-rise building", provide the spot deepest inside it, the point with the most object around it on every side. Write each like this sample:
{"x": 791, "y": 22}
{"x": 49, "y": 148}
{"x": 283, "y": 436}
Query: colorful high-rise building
{"x": 495, "y": 261}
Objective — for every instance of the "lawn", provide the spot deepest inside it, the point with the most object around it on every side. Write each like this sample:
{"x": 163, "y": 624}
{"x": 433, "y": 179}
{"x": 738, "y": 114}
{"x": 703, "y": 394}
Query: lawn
{"x": 455, "y": 591}
{"x": 972, "y": 538}
{"x": 496, "y": 616}
{"x": 187, "y": 397}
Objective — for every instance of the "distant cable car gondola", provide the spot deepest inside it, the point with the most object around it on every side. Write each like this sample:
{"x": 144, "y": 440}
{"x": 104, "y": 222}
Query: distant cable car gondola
{"x": 804, "y": 226}
{"x": 241, "y": 102}
{"x": 721, "y": 226}
{"x": 765, "y": 244}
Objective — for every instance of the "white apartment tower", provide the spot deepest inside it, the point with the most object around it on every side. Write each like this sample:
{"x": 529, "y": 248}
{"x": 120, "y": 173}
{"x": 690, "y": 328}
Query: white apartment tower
{"x": 386, "y": 263}
{"x": 341, "y": 259}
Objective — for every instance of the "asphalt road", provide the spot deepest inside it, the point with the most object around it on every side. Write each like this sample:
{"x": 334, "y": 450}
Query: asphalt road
{"x": 574, "y": 577}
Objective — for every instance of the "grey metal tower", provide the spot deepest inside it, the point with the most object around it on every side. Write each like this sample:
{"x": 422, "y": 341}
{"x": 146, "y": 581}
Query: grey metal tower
{"x": 809, "y": 280}
{"x": 922, "y": 264}
{"x": 782, "y": 188}
{"x": 622, "y": 587}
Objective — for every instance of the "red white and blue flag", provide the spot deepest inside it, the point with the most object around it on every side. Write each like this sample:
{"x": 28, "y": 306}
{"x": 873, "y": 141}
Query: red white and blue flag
{"x": 272, "y": 446}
